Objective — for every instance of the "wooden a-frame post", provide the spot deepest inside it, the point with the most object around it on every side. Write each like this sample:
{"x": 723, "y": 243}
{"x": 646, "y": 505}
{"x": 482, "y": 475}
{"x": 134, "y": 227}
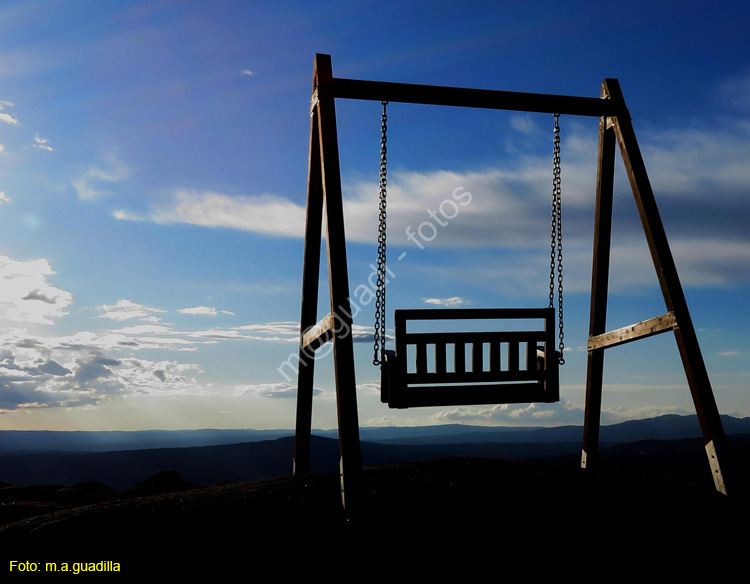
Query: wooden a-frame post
{"x": 618, "y": 128}
{"x": 324, "y": 192}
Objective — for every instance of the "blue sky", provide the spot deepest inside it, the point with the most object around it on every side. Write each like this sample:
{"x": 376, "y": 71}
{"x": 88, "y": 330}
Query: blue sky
{"x": 153, "y": 175}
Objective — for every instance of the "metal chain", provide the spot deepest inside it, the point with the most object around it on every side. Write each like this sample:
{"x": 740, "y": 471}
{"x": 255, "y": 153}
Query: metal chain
{"x": 379, "y": 334}
{"x": 556, "y": 257}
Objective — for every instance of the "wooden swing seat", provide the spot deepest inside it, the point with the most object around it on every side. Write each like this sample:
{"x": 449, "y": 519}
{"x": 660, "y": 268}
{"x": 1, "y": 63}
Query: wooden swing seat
{"x": 481, "y": 367}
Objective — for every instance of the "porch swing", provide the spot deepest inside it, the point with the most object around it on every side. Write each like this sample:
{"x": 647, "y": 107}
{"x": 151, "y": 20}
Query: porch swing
{"x": 481, "y": 377}
{"x": 470, "y": 367}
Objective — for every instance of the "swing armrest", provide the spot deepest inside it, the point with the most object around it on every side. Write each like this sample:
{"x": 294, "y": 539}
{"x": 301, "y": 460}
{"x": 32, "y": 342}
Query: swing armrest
{"x": 388, "y": 367}
{"x": 541, "y": 356}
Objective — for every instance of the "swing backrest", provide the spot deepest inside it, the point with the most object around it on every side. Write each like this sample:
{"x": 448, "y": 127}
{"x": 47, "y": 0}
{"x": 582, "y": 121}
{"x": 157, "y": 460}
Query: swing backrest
{"x": 478, "y": 367}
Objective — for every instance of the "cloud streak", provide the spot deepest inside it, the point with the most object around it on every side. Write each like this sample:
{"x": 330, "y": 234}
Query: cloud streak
{"x": 267, "y": 214}
{"x": 126, "y": 310}
{"x": 42, "y": 144}
{"x": 199, "y": 310}
{"x": 90, "y": 185}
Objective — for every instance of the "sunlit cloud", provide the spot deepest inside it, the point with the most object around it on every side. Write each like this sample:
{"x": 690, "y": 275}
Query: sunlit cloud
{"x": 8, "y": 119}
{"x": 126, "y": 310}
{"x": 508, "y": 208}
{"x": 267, "y": 214}
{"x": 199, "y": 310}
{"x": 29, "y": 379}
{"x": 537, "y": 414}
{"x": 271, "y": 390}
{"x": 25, "y": 294}
{"x": 248, "y": 73}
{"x": 453, "y": 302}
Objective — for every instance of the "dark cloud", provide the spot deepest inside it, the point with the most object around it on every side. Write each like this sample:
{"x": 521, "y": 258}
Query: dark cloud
{"x": 20, "y": 392}
{"x": 37, "y": 295}
{"x": 53, "y": 368}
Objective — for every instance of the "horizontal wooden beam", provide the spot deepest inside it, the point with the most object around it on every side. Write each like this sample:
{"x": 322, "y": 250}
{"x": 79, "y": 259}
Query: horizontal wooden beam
{"x": 633, "y": 332}
{"x": 478, "y": 337}
{"x": 319, "y": 334}
{"x": 473, "y": 313}
{"x": 477, "y": 98}
{"x": 446, "y": 395}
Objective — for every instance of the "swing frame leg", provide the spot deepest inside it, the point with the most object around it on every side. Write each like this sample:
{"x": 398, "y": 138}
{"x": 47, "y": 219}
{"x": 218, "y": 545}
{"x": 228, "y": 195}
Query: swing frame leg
{"x": 715, "y": 442}
{"x": 324, "y": 192}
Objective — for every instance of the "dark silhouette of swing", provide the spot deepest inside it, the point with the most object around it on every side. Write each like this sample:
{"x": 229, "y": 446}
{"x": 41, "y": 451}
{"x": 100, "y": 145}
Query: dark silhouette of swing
{"x": 470, "y": 367}
{"x": 478, "y": 366}
{"x": 502, "y": 366}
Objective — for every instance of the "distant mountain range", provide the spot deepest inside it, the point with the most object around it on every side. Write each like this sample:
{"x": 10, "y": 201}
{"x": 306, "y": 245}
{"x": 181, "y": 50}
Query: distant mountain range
{"x": 122, "y": 459}
{"x": 668, "y": 427}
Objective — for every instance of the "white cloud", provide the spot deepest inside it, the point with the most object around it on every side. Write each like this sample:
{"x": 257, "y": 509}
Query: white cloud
{"x": 248, "y": 73}
{"x": 699, "y": 174}
{"x": 199, "y": 310}
{"x": 537, "y": 414}
{"x": 42, "y": 373}
{"x": 514, "y": 414}
{"x": 452, "y": 302}
{"x": 272, "y": 390}
{"x": 89, "y": 185}
{"x": 25, "y": 294}
{"x": 126, "y": 309}
{"x": 524, "y": 124}
{"x": 122, "y": 215}
{"x": 42, "y": 144}
{"x": 4, "y": 198}
{"x": 8, "y": 119}
{"x": 267, "y": 214}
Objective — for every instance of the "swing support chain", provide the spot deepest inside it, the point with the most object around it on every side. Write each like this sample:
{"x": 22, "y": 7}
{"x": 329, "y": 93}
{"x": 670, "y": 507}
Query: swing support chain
{"x": 379, "y": 334}
{"x": 556, "y": 257}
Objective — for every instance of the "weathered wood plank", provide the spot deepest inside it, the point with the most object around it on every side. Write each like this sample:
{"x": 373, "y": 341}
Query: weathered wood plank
{"x": 476, "y": 337}
{"x": 639, "y": 330}
{"x": 319, "y": 334}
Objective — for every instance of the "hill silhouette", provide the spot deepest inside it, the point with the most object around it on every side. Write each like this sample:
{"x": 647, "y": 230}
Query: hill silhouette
{"x": 653, "y": 499}
{"x": 464, "y": 507}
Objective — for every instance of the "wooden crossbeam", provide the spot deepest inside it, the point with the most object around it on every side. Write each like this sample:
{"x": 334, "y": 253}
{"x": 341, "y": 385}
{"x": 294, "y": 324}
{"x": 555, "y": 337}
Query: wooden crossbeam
{"x": 639, "y": 330}
{"x": 477, "y": 98}
{"x": 319, "y": 334}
